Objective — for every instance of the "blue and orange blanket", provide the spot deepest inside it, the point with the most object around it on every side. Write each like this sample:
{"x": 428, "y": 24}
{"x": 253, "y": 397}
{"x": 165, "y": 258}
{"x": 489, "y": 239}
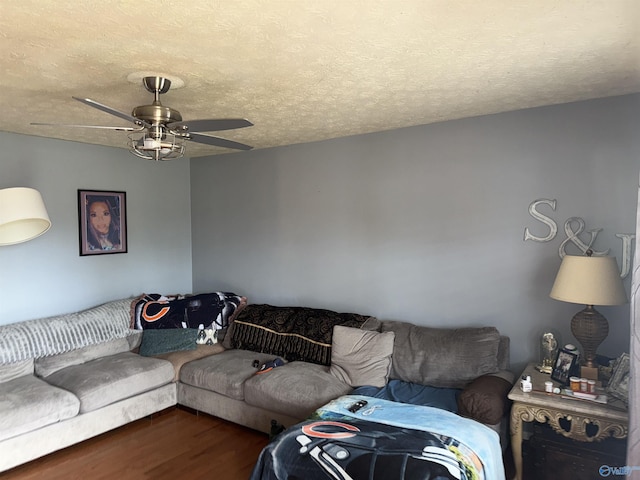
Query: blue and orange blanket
{"x": 206, "y": 310}
{"x": 382, "y": 439}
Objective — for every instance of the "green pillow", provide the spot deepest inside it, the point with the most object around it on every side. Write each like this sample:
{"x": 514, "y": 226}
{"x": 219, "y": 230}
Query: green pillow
{"x": 164, "y": 340}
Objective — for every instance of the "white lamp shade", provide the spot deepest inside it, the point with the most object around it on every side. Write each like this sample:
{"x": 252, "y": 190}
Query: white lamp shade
{"x": 589, "y": 281}
{"x": 23, "y": 215}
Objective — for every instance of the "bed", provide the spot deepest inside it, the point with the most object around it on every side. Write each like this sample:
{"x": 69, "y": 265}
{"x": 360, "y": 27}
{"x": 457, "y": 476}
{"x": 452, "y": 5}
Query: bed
{"x": 360, "y": 437}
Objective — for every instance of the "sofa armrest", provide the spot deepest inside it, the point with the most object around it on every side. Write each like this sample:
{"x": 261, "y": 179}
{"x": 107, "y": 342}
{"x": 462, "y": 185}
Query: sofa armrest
{"x": 485, "y": 398}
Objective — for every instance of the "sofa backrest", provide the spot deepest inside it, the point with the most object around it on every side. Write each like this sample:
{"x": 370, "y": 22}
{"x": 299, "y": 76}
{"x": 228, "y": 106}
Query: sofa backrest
{"x": 10, "y": 371}
{"x": 504, "y": 353}
{"x": 49, "y": 365}
{"x": 42, "y": 337}
{"x": 443, "y": 357}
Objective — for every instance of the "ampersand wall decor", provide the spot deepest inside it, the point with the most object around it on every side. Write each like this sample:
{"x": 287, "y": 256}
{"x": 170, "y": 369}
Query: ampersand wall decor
{"x": 573, "y": 235}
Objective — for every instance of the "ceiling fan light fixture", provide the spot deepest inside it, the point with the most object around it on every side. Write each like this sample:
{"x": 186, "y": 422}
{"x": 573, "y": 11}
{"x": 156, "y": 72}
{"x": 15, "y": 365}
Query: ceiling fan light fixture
{"x": 144, "y": 146}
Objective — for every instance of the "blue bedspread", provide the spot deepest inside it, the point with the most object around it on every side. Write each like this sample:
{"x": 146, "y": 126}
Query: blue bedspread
{"x": 415, "y": 394}
{"x": 383, "y": 439}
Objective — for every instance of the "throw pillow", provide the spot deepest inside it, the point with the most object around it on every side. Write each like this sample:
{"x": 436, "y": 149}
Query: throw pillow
{"x": 155, "y": 342}
{"x": 361, "y": 357}
{"x": 485, "y": 399}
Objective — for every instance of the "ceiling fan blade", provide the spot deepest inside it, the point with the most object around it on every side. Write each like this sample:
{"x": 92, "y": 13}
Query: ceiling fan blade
{"x": 112, "y": 111}
{"x": 210, "y": 125}
{"x": 119, "y": 129}
{"x": 217, "y": 142}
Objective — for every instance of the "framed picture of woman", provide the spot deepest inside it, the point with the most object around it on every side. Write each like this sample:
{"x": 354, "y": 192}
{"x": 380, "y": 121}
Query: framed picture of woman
{"x": 103, "y": 222}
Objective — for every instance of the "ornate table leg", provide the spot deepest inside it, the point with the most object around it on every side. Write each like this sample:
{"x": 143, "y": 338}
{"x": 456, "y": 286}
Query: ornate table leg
{"x": 518, "y": 412}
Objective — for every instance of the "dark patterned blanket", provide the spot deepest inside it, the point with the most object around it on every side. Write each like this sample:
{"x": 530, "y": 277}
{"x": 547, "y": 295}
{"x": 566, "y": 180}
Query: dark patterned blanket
{"x": 293, "y": 333}
{"x": 209, "y": 310}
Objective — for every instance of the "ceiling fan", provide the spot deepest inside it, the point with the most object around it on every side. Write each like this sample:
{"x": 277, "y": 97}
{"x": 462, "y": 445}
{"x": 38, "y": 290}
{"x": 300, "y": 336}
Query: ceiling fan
{"x": 159, "y": 132}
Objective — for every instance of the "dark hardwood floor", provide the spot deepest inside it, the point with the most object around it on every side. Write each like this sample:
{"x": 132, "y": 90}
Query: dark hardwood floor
{"x": 173, "y": 444}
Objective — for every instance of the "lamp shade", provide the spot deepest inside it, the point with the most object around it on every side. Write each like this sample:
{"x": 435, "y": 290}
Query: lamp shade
{"x": 23, "y": 215}
{"x": 589, "y": 281}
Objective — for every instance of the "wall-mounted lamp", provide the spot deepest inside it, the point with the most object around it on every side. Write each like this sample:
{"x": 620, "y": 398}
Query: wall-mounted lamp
{"x": 23, "y": 215}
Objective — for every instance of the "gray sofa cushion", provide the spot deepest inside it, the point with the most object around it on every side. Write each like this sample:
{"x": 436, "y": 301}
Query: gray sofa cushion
{"x": 296, "y": 389}
{"x": 9, "y": 371}
{"x": 179, "y": 358}
{"x": 48, "y": 365}
{"x": 504, "y": 354}
{"x": 134, "y": 338}
{"x": 109, "y": 379}
{"x": 223, "y": 373}
{"x": 360, "y": 357}
{"x": 28, "y": 403}
{"x": 442, "y": 357}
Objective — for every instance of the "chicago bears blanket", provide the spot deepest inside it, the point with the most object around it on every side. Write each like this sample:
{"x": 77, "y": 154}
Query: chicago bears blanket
{"x": 209, "y": 310}
{"x": 360, "y": 438}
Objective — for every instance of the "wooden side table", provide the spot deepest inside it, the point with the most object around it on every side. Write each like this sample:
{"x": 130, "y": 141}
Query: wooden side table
{"x": 580, "y": 420}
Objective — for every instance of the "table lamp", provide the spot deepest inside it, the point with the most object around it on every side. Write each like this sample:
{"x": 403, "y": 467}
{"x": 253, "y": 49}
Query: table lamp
{"x": 591, "y": 281}
{"x": 23, "y": 215}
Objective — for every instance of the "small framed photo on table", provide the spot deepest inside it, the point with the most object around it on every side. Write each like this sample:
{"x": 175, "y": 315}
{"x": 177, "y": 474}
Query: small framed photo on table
{"x": 564, "y": 364}
{"x": 103, "y": 222}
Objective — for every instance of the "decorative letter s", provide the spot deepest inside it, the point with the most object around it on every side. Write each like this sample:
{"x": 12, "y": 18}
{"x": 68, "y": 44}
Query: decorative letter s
{"x": 553, "y": 227}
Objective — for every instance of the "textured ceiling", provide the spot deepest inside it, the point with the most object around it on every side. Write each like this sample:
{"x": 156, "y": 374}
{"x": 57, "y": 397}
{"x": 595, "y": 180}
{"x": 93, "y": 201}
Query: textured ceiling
{"x": 306, "y": 70}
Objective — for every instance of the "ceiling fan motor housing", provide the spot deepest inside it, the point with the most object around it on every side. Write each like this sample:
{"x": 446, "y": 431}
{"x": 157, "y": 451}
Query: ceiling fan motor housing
{"x": 156, "y": 114}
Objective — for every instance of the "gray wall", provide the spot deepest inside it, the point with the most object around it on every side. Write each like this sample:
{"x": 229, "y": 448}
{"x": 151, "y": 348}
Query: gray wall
{"x": 46, "y": 276}
{"x": 424, "y": 224}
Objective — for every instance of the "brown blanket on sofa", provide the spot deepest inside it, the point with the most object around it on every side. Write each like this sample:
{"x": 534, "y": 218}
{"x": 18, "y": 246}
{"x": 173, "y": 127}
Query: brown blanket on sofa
{"x": 293, "y": 333}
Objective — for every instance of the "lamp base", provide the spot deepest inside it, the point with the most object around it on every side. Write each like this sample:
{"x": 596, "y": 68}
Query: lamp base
{"x": 544, "y": 368}
{"x": 590, "y": 329}
{"x": 590, "y": 373}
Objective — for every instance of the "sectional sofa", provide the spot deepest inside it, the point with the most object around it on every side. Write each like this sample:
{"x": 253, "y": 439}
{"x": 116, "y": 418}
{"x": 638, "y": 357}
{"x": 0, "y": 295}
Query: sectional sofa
{"x": 67, "y": 378}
